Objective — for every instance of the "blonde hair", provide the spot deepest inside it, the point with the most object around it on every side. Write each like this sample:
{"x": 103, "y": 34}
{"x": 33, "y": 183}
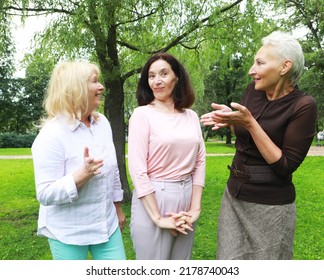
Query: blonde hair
{"x": 67, "y": 92}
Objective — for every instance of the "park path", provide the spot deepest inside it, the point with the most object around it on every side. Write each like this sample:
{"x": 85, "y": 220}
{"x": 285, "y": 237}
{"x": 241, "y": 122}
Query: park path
{"x": 313, "y": 151}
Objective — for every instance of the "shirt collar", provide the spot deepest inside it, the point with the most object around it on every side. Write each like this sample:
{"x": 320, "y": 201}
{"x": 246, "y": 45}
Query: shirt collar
{"x": 76, "y": 123}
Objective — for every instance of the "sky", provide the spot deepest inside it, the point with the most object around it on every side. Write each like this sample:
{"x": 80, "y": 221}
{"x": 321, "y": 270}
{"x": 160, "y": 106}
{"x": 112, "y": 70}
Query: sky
{"x": 23, "y": 36}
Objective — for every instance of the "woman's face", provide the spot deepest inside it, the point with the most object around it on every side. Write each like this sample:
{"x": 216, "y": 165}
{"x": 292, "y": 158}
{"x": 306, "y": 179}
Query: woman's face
{"x": 266, "y": 69}
{"x": 162, "y": 80}
{"x": 95, "y": 91}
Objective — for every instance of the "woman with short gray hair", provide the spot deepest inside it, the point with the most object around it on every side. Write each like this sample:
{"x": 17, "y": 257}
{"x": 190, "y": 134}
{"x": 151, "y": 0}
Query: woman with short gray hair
{"x": 274, "y": 125}
{"x": 287, "y": 47}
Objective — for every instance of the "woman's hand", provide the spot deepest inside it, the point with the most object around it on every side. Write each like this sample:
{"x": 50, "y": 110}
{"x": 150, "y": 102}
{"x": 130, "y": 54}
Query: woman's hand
{"x": 224, "y": 116}
{"x": 149, "y": 203}
{"x": 170, "y": 223}
{"x": 209, "y": 118}
{"x": 91, "y": 166}
{"x": 120, "y": 215}
{"x": 240, "y": 117}
{"x": 185, "y": 220}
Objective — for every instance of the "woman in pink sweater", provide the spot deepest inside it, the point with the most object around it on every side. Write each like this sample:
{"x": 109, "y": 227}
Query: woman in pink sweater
{"x": 166, "y": 156}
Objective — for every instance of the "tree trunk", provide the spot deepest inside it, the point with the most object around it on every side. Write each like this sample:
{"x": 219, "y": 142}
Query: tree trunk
{"x": 228, "y": 137}
{"x": 114, "y": 102}
{"x": 207, "y": 132}
{"x": 114, "y": 110}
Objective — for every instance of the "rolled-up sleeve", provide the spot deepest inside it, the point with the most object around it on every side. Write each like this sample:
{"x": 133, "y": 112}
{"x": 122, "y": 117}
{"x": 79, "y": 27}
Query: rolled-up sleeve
{"x": 117, "y": 189}
{"x": 53, "y": 187}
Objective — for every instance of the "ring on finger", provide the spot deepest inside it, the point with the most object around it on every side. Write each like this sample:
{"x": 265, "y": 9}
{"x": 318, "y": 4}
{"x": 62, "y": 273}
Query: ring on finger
{"x": 89, "y": 167}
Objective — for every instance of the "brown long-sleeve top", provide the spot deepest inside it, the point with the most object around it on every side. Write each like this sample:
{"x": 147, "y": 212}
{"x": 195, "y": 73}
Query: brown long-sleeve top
{"x": 290, "y": 123}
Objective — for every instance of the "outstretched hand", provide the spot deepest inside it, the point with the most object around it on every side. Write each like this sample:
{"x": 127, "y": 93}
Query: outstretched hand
{"x": 224, "y": 116}
{"x": 240, "y": 117}
{"x": 209, "y": 118}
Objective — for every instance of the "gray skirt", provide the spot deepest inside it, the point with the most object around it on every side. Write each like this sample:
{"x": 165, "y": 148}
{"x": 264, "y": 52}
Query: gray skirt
{"x": 251, "y": 231}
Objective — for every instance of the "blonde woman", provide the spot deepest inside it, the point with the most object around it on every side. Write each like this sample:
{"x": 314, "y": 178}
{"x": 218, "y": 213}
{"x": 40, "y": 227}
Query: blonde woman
{"x": 76, "y": 173}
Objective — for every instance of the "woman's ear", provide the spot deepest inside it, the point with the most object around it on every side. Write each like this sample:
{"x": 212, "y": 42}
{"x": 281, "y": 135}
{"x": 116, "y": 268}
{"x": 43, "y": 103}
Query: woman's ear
{"x": 286, "y": 66}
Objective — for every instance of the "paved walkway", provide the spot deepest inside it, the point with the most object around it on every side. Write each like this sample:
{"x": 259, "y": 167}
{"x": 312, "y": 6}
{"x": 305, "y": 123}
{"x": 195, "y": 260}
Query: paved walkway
{"x": 313, "y": 151}
{"x": 316, "y": 151}
{"x": 15, "y": 157}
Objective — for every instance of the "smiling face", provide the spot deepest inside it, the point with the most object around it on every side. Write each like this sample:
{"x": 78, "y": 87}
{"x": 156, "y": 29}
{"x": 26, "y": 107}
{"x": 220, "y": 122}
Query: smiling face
{"x": 266, "y": 70}
{"x": 162, "y": 80}
{"x": 95, "y": 91}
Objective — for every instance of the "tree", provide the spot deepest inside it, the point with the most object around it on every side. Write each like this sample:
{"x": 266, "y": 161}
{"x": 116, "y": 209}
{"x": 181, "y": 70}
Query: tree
{"x": 223, "y": 86}
{"x": 309, "y": 15}
{"x": 7, "y": 69}
{"x": 120, "y": 35}
{"x": 38, "y": 73}
{"x": 228, "y": 76}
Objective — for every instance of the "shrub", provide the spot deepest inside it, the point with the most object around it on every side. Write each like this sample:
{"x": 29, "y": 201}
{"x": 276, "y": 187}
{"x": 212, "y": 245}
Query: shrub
{"x": 13, "y": 140}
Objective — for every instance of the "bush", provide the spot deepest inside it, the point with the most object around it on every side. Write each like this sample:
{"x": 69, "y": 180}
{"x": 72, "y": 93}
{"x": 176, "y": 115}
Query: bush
{"x": 13, "y": 140}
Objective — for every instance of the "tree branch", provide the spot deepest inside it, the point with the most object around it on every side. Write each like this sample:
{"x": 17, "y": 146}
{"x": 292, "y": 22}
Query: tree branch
{"x": 37, "y": 11}
{"x": 177, "y": 40}
{"x": 139, "y": 18}
{"x": 127, "y": 45}
{"x": 131, "y": 73}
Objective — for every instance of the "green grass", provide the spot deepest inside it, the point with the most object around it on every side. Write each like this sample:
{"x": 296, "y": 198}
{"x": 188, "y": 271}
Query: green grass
{"x": 219, "y": 148}
{"x": 18, "y": 213}
{"x": 15, "y": 151}
{"x": 19, "y": 210}
{"x": 308, "y": 179}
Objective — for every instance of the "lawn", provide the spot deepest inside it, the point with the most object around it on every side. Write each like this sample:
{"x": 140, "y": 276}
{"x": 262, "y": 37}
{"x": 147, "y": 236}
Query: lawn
{"x": 19, "y": 209}
{"x": 15, "y": 151}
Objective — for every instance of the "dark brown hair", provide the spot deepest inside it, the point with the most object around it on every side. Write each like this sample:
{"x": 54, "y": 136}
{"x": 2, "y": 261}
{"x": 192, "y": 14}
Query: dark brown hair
{"x": 183, "y": 93}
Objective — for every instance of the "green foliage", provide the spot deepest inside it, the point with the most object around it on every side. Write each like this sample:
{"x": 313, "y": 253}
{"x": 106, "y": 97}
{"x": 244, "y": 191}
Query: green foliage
{"x": 7, "y": 68}
{"x": 308, "y": 17}
{"x": 312, "y": 82}
{"x": 13, "y": 140}
{"x": 7, "y": 48}
{"x": 231, "y": 57}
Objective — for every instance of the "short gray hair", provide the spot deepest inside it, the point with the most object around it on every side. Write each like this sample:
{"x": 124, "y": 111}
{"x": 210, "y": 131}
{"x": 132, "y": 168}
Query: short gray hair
{"x": 288, "y": 48}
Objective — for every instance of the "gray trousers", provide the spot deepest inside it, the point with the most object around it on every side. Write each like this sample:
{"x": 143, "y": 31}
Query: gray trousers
{"x": 151, "y": 242}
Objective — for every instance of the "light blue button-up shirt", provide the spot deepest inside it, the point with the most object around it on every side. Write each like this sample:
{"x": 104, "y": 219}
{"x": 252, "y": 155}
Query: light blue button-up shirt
{"x": 72, "y": 216}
